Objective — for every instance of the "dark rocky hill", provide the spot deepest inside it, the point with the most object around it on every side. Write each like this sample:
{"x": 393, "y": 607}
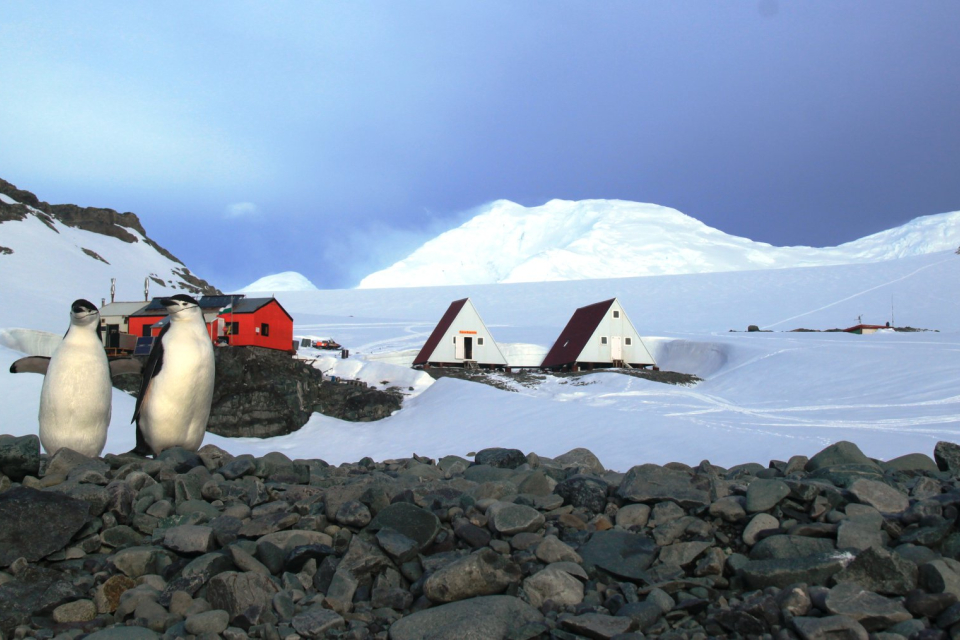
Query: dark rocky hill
{"x": 508, "y": 545}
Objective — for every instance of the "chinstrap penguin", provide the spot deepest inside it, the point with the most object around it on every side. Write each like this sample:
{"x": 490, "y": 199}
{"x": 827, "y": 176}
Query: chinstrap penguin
{"x": 76, "y": 397}
{"x": 177, "y": 387}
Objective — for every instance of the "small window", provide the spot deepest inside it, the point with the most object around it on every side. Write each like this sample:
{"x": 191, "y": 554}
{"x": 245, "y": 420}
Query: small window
{"x": 454, "y": 339}
{"x": 603, "y": 339}
{"x": 616, "y": 313}
{"x": 628, "y": 341}
{"x": 233, "y": 328}
{"x": 479, "y": 342}
{"x": 146, "y": 331}
{"x": 264, "y": 329}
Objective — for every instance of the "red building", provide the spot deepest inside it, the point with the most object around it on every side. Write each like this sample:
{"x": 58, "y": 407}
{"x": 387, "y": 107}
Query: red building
{"x": 234, "y": 320}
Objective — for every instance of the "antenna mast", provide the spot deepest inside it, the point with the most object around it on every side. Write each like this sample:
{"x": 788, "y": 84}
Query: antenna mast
{"x": 146, "y": 289}
{"x": 113, "y": 288}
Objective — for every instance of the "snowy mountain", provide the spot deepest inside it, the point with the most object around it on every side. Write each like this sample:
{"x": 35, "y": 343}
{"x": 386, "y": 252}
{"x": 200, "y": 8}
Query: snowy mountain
{"x": 286, "y": 281}
{"x": 565, "y": 240}
{"x": 51, "y": 255}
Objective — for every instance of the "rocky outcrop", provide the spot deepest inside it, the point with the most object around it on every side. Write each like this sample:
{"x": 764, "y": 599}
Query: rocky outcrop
{"x": 244, "y": 547}
{"x": 261, "y": 393}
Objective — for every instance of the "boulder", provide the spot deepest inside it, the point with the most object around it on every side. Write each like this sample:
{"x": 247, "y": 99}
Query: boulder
{"x": 483, "y": 573}
{"x": 474, "y": 619}
{"x": 621, "y": 553}
{"x": 19, "y": 456}
{"x": 653, "y": 483}
{"x": 37, "y": 523}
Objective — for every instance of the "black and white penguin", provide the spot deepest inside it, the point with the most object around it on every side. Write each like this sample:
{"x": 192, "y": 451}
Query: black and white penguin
{"x": 177, "y": 388}
{"x": 76, "y": 397}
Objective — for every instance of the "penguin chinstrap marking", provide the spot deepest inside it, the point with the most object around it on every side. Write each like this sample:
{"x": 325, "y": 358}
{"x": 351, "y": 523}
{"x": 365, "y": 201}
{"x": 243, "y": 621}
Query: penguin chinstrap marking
{"x": 177, "y": 388}
{"x": 77, "y": 394}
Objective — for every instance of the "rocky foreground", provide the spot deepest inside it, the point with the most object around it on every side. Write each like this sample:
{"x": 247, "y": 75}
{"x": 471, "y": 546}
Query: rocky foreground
{"x": 207, "y": 545}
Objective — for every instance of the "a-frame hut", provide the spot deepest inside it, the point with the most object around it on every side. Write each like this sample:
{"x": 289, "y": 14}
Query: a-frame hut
{"x": 460, "y": 339}
{"x": 598, "y": 335}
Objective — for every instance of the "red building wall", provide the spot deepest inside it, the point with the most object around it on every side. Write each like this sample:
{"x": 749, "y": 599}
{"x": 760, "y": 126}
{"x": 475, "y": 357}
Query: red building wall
{"x": 137, "y": 323}
{"x": 280, "y": 332}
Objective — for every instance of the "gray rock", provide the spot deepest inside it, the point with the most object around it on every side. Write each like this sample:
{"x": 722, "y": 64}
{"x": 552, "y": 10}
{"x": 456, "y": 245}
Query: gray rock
{"x": 19, "y": 456}
{"x": 622, "y": 553}
{"x": 213, "y": 621}
{"x": 839, "y": 453}
{"x": 500, "y": 458}
{"x": 353, "y": 513}
{"x": 858, "y": 535}
{"x": 553, "y": 583}
{"x": 509, "y": 519}
{"x": 134, "y": 562}
{"x": 453, "y": 465}
{"x": 598, "y": 625}
{"x": 947, "y": 455}
{"x": 730, "y": 508}
{"x": 482, "y": 473}
{"x": 189, "y": 539}
{"x": 633, "y": 515}
{"x": 238, "y": 467}
{"x": 829, "y": 628}
{"x": 76, "y": 611}
{"x": 551, "y": 549}
{"x": 483, "y": 573}
{"x": 418, "y": 524}
{"x": 879, "y": 495}
{"x": 786, "y": 546}
{"x": 937, "y": 577}
{"x": 475, "y": 619}
{"x": 757, "y": 525}
{"x": 871, "y": 610}
{"x": 643, "y": 614}
{"x": 33, "y": 589}
{"x": 239, "y": 593}
{"x": 23, "y": 509}
{"x": 814, "y": 570}
{"x": 272, "y": 549}
{"x": 877, "y": 569}
{"x": 683, "y": 553}
{"x": 583, "y": 491}
{"x": 537, "y": 484}
{"x": 581, "y": 459}
{"x": 67, "y": 461}
{"x": 316, "y": 621}
{"x": 397, "y": 546}
{"x": 269, "y": 523}
{"x": 763, "y": 495}
{"x": 911, "y": 462}
{"x": 123, "y": 633}
{"x": 652, "y": 483}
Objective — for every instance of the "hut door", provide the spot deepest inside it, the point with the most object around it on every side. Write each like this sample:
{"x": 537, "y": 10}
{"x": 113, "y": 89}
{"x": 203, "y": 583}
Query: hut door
{"x": 468, "y": 348}
{"x": 458, "y": 347}
{"x": 616, "y": 348}
{"x": 113, "y": 336}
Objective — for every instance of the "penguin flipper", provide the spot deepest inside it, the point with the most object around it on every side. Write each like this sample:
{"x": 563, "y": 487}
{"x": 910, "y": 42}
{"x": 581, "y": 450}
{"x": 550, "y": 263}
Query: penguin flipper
{"x": 31, "y": 364}
{"x": 150, "y": 370}
{"x": 120, "y": 366}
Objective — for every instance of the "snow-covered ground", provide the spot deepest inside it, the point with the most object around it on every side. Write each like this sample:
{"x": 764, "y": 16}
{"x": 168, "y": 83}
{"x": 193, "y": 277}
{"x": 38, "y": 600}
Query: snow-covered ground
{"x": 587, "y": 239}
{"x": 764, "y": 395}
{"x": 286, "y": 281}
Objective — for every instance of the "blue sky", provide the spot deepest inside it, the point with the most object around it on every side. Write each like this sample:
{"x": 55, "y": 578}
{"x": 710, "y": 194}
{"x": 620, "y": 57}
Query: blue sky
{"x": 334, "y": 138}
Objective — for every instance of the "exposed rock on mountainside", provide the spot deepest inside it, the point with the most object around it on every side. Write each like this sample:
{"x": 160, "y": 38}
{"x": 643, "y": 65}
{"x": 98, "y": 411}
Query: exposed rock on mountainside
{"x": 102, "y": 221}
{"x": 510, "y": 545}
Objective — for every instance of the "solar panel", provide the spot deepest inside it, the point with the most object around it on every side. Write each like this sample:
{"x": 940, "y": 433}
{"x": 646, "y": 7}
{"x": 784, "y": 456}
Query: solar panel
{"x": 144, "y": 344}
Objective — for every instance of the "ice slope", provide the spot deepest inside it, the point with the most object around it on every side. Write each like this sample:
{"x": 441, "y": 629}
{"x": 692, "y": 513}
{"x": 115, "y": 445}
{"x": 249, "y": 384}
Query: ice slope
{"x": 286, "y": 281}
{"x": 589, "y": 239}
{"x": 48, "y": 269}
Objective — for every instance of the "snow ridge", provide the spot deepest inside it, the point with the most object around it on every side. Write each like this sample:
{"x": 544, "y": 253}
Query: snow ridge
{"x": 591, "y": 239}
{"x": 286, "y": 281}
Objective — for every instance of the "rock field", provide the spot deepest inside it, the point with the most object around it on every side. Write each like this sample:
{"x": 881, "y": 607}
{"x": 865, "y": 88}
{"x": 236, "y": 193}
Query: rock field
{"x": 510, "y": 545}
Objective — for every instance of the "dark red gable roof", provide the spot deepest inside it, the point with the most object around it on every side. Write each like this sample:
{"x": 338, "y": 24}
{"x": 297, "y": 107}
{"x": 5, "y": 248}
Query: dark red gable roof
{"x": 575, "y": 335}
{"x": 438, "y": 332}
{"x": 252, "y": 305}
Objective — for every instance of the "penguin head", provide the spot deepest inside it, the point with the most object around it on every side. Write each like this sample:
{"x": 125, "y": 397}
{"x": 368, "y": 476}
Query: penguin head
{"x": 180, "y": 306}
{"x": 83, "y": 313}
